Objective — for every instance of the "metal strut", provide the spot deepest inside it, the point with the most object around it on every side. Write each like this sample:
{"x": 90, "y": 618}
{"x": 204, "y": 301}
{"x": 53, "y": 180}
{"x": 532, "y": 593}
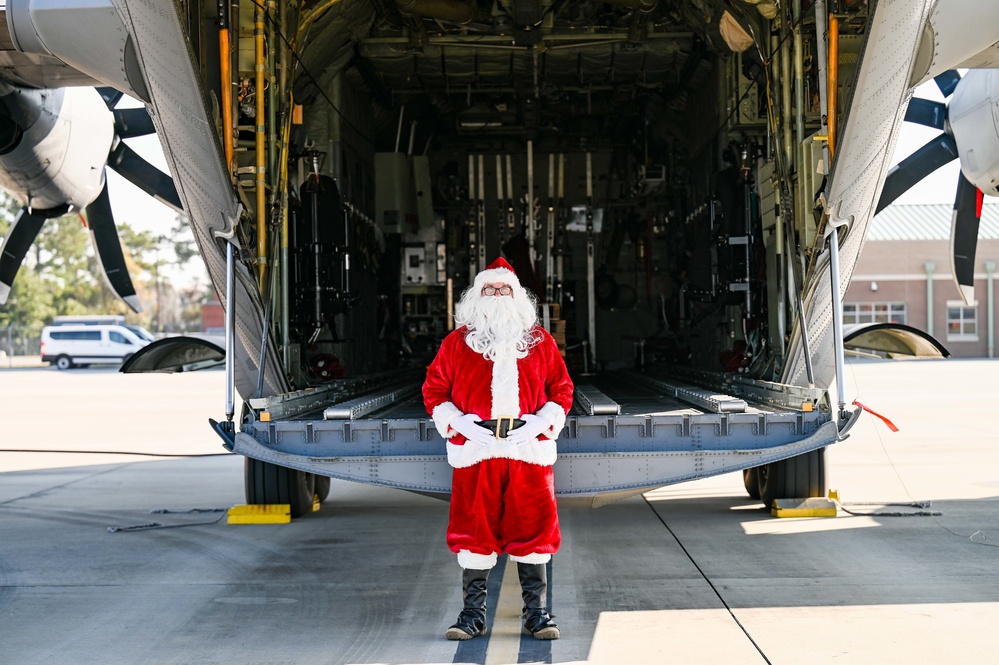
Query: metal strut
{"x": 837, "y": 304}
{"x": 230, "y": 333}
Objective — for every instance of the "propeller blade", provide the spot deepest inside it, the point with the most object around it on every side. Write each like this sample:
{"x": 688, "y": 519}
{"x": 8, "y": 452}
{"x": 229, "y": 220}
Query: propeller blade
{"x": 104, "y": 235}
{"x": 947, "y": 81}
{"x": 915, "y": 167}
{"x": 144, "y": 175}
{"x": 924, "y": 112}
{"x": 110, "y": 96}
{"x": 15, "y": 247}
{"x": 964, "y": 236}
{"x": 129, "y": 123}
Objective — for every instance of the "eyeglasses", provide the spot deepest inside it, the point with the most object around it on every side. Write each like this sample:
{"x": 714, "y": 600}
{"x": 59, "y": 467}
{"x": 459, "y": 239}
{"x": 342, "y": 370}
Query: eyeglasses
{"x": 491, "y": 290}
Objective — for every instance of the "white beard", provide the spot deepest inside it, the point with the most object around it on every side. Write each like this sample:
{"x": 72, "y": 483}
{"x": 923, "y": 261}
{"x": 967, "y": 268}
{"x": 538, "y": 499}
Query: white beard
{"x": 498, "y": 326}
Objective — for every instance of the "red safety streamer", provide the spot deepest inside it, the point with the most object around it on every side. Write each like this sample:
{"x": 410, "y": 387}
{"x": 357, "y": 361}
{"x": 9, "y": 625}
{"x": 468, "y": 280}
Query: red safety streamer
{"x": 890, "y": 424}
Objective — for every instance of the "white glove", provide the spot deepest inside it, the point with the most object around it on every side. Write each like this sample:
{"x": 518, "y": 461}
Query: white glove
{"x": 467, "y": 427}
{"x": 532, "y": 427}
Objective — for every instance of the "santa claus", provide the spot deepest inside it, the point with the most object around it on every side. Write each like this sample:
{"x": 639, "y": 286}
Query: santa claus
{"x": 499, "y": 392}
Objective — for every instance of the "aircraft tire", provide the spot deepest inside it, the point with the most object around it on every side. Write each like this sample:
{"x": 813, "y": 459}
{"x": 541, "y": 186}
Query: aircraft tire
{"x": 751, "y": 479}
{"x": 799, "y": 477}
{"x": 322, "y": 487}
{"x": 267, "y": 483}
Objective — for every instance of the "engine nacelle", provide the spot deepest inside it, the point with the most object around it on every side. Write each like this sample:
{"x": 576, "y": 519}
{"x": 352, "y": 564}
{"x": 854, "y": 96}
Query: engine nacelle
{"x": 951, "y": 41}
{"x": 88, "y": 36}
{"x": 973, "y": 113}
{"x": 58, "y": 144}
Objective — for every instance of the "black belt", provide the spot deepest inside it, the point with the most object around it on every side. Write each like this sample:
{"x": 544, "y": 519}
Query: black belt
{"x": 502, "y": 426}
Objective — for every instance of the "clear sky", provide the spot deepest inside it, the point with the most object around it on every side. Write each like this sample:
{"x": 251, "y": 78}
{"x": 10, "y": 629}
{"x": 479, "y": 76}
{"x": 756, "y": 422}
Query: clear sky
{"x": 144, "y": 213}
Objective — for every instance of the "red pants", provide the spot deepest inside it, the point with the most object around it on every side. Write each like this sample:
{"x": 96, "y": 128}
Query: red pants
{"x": 504, "y": 506}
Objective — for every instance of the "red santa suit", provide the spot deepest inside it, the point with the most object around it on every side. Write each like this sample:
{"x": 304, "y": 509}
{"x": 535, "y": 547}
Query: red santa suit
{"x": 502, "y": 493}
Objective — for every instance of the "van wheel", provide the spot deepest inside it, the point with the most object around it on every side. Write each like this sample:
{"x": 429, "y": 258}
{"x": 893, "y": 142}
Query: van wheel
{"x": 322, "y": 487}
{"x": 63, "y": 362}
{"x": 269, "y": 484}
{"x": 798, "y": 477}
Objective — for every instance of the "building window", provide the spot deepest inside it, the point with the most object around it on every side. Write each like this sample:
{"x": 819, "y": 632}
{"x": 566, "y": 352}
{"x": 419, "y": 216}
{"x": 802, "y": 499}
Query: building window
{"x": 873, "y": 312}
{"x": 962, "y": 321}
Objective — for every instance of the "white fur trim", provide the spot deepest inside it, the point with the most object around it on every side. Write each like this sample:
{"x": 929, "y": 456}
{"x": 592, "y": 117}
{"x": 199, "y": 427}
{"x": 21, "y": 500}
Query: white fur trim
{"x": 443, "y": 415}
{"x": 494, "y": 276}
{"x": 473, "y": 561}
{"x": 555, "y": 415}
{"x": 535, "y": 451}
{"x": 505, "y": 388}
{"x": 532, "y": 558}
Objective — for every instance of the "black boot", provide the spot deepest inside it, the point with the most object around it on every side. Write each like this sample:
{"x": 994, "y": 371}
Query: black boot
{"x": 472, "y": 620}
{"x": 534, "y": 586}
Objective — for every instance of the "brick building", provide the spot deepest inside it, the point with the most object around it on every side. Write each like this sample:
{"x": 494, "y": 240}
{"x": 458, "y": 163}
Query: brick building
{"x": 904, "y": 276}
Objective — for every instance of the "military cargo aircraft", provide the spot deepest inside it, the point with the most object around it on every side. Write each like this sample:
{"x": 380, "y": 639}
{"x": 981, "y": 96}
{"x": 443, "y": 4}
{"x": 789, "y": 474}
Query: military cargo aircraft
{"x": 684, "y": 184}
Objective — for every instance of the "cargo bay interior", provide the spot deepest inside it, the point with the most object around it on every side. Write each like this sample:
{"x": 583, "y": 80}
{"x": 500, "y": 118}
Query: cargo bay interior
{"x": 616, "y": 153}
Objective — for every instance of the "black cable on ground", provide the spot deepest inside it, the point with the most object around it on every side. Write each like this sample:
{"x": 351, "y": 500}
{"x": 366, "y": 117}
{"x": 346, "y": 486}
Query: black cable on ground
{"x": 148, "y": 526}
{"x": 710, "y": 583}
{"x": 898, "y": 475}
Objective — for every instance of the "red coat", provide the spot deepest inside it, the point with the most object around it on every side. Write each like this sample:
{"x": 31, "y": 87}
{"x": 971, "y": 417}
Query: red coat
{"x": 461, "y": 381}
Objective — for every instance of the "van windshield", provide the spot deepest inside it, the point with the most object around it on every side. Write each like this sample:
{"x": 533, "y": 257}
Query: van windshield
{"x": 142, "y": 333}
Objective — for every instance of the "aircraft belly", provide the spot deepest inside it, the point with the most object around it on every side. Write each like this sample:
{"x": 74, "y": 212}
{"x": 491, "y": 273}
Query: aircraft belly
{"x": 862, "y": 158}
{"x": 191, "y": 146}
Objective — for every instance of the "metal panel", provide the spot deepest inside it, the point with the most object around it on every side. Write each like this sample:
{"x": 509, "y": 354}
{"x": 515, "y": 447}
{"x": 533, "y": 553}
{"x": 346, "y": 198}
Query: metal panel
{"x": 411, "y": 455}
{"x": 874, "y": 118}
{"x": 191, "y": 146}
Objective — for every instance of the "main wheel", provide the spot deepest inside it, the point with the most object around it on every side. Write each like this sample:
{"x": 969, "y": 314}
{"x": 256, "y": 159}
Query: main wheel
{"x": 751, "y": 479}
{"x": 269, "y": 483}
{"x": 63, "y": 362}
{"x": 798, "y": 477}
{"x": 322, "y": 487}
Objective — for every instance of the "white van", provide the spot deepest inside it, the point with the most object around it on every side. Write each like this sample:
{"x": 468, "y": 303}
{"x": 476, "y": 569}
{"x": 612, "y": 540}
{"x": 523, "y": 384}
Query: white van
{"x": 72, "y": 345}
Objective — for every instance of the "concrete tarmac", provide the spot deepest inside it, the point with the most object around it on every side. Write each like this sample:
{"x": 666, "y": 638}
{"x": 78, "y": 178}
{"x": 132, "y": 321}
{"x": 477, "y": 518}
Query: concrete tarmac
{"x": 693, "y": 573}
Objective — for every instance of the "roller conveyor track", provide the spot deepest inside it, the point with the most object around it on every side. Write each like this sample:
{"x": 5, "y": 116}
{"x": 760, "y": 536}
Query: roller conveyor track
{"x": 634, "y": 397}
{"x": 640, "y": 399}
{"x": 655, "y": 440}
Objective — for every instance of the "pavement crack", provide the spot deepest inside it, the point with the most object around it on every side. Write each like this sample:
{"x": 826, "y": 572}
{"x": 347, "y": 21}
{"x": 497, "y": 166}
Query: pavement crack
{"x": 708, "y": 580}
{"x": 43, "y": 492}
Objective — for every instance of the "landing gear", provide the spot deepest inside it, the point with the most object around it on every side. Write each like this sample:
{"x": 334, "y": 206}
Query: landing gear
{"x": 798, "y": 477}
{"x": 269, "y": 483}
{"x": 322, "y": 487}
{"x": 751, "y": 479}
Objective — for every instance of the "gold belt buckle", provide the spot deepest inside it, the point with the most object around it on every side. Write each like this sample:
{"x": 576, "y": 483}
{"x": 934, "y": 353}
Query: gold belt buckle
{"x": 499, "y": 426}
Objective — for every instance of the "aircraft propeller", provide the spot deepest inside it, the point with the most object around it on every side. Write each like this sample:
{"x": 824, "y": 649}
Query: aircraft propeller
{"x": 959, "y": 139}
{"x": 128, "y": 123}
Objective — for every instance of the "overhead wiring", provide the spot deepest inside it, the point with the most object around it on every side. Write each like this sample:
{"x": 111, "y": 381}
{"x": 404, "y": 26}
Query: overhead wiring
{"x": 294, "y": 52}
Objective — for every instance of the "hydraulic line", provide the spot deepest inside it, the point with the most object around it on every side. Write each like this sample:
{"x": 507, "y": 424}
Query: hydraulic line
{"x": 283, "y": 185}
{"x": 225, "y": 75}
{"x": 261, "y": 144}
{"x": 833, "y": 90}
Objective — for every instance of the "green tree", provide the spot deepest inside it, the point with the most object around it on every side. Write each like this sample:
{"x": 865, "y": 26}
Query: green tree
{"x": 62, "y": 275}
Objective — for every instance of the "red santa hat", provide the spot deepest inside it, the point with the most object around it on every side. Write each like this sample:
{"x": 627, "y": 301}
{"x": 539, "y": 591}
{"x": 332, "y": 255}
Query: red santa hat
{"x": 497, "y": 271}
